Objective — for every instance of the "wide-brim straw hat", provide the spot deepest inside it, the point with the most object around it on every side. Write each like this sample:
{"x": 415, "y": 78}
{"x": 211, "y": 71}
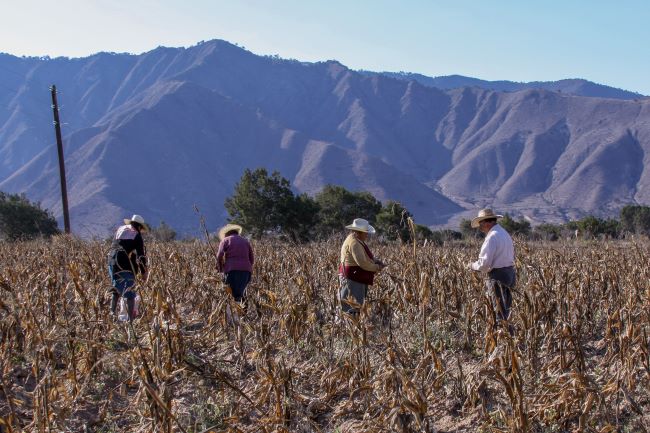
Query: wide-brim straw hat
{"x": 484, "y": 214}
{"x": 136, "y": 219}
{"x": 361, "y": 225}
{"x": 227, "y": 228}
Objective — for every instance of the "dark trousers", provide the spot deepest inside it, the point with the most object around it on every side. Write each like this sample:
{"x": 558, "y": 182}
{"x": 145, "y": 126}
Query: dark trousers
{"x": 499, "y": 284}
{"x": 351, "y": 289}
{"x": 122, "y": 282}
{"x": 237, "y": 281}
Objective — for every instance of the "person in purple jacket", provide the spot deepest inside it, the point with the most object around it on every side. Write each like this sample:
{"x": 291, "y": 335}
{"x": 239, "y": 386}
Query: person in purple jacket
{"x": 235, "y": 259}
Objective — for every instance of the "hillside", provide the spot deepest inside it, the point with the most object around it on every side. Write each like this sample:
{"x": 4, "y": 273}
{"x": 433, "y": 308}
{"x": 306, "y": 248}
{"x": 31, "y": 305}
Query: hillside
{"x": 159, "y": 132}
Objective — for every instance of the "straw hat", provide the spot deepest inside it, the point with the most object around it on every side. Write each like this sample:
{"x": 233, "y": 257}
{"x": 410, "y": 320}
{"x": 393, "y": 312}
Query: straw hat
{"x": 484, "y": 214}
{"x": 136, "y": 219}
{"x": 361, "y": 225}
{"x": 227, "y": 228}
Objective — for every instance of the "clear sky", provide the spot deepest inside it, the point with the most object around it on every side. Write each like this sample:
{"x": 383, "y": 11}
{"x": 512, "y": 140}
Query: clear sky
{"x": 605, "y": 41}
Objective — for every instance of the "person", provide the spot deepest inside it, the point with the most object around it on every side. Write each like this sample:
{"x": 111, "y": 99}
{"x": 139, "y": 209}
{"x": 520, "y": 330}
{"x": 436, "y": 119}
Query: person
{"x": 357, "y": 267}
{"x": 497, "y": 259}
{"x": 235, "y": 259}
{"x": 127, "y": 258}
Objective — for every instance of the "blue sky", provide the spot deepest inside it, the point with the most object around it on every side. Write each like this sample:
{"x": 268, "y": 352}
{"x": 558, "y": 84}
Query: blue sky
{"x": 602, "y": 41}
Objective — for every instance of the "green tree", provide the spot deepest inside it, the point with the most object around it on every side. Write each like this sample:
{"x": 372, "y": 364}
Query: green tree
{"x": 592, "y": 226}
{"x": 21, "y": 219}
{"x": 301, "y": 219}
{"x": 338, "y": 207}
{"x": 264, "y": 203}
{"x": 467, "y": 230}
{"x": 162, "y": 233}
{"x": 642, "y": 220}
{"x": 392, "y": 221}
{"x": 439, "y": 237}
{"x": 519, "y": 227}
{"x": 548, "y": 232}
{"x": 635, "y": 219}
{"x": 260, "y": 202}
{"x": 627, "y": 218}
{"x": 422, "y": 232}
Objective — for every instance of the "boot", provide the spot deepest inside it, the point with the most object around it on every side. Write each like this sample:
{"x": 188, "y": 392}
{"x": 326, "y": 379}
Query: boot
{"x": 130, "y": 306}
{"x": 114, "y": 300}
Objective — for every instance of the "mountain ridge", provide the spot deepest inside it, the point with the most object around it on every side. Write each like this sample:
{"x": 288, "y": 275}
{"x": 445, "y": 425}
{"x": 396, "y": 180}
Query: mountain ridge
{"x": 572, "y": 86}
{"x": 160, "y": 132}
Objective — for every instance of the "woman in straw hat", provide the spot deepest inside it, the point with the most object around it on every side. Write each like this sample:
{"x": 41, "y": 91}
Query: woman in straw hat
{"x": 127, "y": 258}
{"x": 357, "y": 267}
{"x": 497, "y": 258}
{"x": 235, "y": 259}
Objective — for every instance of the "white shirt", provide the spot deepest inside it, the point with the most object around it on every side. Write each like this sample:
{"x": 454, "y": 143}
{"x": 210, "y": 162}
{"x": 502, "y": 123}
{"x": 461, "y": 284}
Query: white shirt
{"x": 497, "y": 251}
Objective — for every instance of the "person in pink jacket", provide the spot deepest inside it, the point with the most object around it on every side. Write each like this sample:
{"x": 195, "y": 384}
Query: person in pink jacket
{"x": 235, "y": 259}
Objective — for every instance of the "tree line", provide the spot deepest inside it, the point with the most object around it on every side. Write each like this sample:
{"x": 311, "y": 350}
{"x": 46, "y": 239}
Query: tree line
{"x": 265, "y": 205}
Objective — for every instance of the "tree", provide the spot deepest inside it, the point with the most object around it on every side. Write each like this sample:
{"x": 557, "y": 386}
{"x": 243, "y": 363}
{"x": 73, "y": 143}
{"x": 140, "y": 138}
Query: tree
{"x": 439, "y": 237}
{"x": 301, "y": 218}
{"x": 338, "y": 207}
{"x": 592, "y": 226}
{"x": 422, "y": 232}
{"x": 467, "y": 230}
{"x": 642, "y": 220}
{"x": 260, "y": 202}
{"x": 392, "y": 221}
{"x": 163, "y": 233}
{"x": 627, "y": 218}
{"x": 548, "y": 232}
{"x": 519, "y": 227}
{"x": 635, "y": 219}
{"x": 21, "y": 219}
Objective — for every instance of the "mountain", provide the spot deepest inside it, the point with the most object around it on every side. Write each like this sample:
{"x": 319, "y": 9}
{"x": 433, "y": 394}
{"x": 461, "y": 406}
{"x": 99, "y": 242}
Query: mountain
{"x": 573, "y": 86}
{"x": 160, "y": 132}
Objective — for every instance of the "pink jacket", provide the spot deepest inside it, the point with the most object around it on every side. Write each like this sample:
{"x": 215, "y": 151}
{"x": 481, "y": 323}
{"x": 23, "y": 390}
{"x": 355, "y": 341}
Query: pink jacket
{"x": 235, "y": 254}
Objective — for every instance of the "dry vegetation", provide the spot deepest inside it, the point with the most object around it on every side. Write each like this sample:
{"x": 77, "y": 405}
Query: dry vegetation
{"x": 423, "y": 358}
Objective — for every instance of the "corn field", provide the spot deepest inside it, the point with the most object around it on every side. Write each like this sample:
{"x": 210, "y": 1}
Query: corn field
{"x": 425, "y": 354}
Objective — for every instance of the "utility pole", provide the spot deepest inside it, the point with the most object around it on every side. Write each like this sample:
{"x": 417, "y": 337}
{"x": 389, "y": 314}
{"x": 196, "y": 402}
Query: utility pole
{"x": 59, "y": 146}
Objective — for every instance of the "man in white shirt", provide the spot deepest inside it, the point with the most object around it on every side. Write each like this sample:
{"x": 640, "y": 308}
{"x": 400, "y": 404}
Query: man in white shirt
{"x": 497, "y": 259}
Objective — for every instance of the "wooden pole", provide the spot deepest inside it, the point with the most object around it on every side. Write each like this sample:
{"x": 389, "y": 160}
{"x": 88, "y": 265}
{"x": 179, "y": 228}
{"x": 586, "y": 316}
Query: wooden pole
{"x": 59, "y": 146}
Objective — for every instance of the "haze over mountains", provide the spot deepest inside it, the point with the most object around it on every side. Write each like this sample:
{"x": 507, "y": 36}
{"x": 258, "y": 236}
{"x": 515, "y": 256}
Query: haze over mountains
{"x": 159, "y": 132}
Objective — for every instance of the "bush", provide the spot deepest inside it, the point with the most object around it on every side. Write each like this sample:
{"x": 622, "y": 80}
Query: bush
{"x": 520, "y": 227}
{"x": 392, "y": 221}
{"x": 21, "y": 219}
{"x": 162, "y": 233}
{"x": 260, "y": 202}
{"x": 264, "y": 203}
{"x": 338, "y": 207}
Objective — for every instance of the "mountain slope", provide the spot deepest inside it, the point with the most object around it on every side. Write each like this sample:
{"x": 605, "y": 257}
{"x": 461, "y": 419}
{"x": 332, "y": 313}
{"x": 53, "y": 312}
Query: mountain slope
{"x": 160, "y": 132}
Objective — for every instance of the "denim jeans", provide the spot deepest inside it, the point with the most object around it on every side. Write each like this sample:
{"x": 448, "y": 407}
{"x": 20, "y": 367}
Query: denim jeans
{"x": 122, "y": 281}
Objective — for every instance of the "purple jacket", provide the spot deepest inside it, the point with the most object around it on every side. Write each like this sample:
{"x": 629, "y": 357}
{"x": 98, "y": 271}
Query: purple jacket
{"x": 235, "y": 254}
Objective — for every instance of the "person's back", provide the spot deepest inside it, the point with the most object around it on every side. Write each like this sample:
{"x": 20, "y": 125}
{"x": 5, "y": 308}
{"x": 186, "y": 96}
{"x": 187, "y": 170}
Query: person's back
{"x": 497, "y": 250}
{"x": 235, "y": 259}
{"x": 237, "y": 254}
{"x": 126, "y": 259}
{"x": 126, "y": 241}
